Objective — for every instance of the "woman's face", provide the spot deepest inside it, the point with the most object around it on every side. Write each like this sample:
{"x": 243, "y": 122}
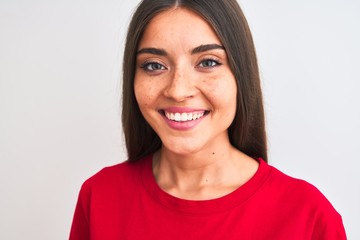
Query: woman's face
{"x": 183, "y": 83}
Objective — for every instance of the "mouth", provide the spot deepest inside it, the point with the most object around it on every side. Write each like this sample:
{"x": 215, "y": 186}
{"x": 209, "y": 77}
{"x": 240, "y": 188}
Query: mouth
{"x": 183, "y": 116}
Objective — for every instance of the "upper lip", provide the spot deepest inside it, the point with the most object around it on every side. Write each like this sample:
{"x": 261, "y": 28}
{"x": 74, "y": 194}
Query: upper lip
{"x": 182, "y": 110}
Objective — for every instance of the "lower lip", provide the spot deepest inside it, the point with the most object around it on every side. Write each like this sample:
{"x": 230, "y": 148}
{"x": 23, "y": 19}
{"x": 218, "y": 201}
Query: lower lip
{"x": 183, "y": 126}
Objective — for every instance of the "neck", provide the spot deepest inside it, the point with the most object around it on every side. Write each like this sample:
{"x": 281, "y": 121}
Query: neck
{"x": 202, "y": 175}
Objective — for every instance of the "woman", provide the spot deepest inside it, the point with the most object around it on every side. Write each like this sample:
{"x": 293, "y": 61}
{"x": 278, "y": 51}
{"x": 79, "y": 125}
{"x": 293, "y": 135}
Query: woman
{"x": 194, "y": 127}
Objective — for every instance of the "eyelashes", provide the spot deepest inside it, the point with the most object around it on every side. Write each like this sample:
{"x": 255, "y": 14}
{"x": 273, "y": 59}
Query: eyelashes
{"x": 209, "y": 63}
{"x": 154, "y": 66}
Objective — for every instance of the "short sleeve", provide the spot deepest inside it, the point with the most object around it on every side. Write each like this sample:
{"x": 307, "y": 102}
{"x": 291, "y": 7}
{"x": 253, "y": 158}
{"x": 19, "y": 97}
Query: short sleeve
{"x": 80, "y": 229}
{"x": 329, "y": 228}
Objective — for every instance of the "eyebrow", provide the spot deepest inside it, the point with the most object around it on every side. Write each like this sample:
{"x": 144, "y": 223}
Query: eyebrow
{"x": 206, "y": 47}
{"x": 155, "y": 51}
{"x": 162, "y": 52}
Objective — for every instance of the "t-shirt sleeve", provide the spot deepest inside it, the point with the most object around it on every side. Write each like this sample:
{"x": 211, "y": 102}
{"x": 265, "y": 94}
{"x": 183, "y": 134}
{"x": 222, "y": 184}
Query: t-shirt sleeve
{"x": 316, "y": 216}
{"x": 80, "y": 229}
{"x": 330, "y": 228}
{"x": 328, "y": 222}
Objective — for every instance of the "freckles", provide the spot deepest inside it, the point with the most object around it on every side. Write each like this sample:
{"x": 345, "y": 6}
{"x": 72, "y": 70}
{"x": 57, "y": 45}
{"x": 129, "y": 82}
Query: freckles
{"x": 145, "y": 99}
{"x": 216, "y": 90}
{"x": 220, "y": 90}
{"x": 145, "y": 95}
{"x": 212, "y": 84}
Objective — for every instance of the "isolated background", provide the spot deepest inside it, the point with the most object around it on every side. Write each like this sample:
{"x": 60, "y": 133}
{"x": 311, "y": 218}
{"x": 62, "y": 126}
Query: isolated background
{"x": 60, "y": 114}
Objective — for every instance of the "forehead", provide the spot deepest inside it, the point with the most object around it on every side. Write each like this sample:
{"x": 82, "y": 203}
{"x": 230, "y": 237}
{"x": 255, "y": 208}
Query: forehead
{"x": 178, "y": 26}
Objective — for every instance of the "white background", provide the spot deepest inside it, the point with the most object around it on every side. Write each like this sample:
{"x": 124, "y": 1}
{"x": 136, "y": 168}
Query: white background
{"x": 60, "y": 114}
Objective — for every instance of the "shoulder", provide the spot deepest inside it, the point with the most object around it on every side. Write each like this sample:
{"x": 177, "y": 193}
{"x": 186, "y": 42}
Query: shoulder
{"x": 298, "y": 189}
{"x": 295, "y": 186}
{"x": 124, "y": 169}
{"x": 120, "y": 177}
{"x": 308, "y": 202}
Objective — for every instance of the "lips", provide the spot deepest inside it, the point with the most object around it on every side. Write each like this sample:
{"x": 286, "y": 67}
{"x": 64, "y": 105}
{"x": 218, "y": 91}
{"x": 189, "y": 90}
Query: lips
{"x": 182, "y": 118}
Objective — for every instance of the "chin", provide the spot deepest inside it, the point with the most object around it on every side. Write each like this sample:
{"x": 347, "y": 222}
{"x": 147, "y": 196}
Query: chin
{"x": 181, "y": 148}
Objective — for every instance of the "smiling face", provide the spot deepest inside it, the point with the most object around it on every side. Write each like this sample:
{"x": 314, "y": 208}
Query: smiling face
{"x": 183, "y": 83}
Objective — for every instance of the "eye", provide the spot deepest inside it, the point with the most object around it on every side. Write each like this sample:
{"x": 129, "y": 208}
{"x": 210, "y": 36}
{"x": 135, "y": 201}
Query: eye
{"x": 152, "y": 66}
{"x": 208, "y": 63}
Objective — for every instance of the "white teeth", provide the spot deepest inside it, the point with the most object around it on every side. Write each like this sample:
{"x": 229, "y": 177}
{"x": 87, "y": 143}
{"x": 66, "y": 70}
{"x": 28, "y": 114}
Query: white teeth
{"x": 189, "y": 116}
{"x": 183, "y": 117}
{"x": 177, "y": 117}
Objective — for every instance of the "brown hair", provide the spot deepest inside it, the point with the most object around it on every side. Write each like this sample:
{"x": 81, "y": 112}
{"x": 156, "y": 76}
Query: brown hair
{"x": 247, "y": 131}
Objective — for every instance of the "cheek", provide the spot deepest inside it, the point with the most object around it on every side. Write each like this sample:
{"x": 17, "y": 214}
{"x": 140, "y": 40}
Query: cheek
{"x": 145, "y": 93}
{"x": 142, "y": 93}
{"x": 221, "y": 91}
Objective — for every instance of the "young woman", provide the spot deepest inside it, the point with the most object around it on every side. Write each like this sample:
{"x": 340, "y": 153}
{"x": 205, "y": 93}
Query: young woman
{"x": 194, "y": 127}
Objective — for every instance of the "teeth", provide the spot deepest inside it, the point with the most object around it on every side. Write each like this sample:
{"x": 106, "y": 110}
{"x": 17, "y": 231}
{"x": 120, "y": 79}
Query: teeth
{"x": 189, "y": 116}
{"x": 183, "y": 117}
{"x": 177, "y": 117}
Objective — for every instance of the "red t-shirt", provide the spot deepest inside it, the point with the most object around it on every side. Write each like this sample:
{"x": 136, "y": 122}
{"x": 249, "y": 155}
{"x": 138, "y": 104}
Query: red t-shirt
{"x": 125, "y": 202}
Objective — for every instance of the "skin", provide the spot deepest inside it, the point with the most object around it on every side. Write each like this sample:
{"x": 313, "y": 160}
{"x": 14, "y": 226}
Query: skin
{"x": 197, "y": 163}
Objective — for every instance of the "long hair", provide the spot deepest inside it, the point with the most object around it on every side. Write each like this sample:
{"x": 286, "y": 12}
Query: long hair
{"x": 247, "y": 131}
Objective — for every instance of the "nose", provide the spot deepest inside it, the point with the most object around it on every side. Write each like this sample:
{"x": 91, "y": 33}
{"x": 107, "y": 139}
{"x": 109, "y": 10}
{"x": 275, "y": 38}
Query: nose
{"x": 181, "y": 85}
